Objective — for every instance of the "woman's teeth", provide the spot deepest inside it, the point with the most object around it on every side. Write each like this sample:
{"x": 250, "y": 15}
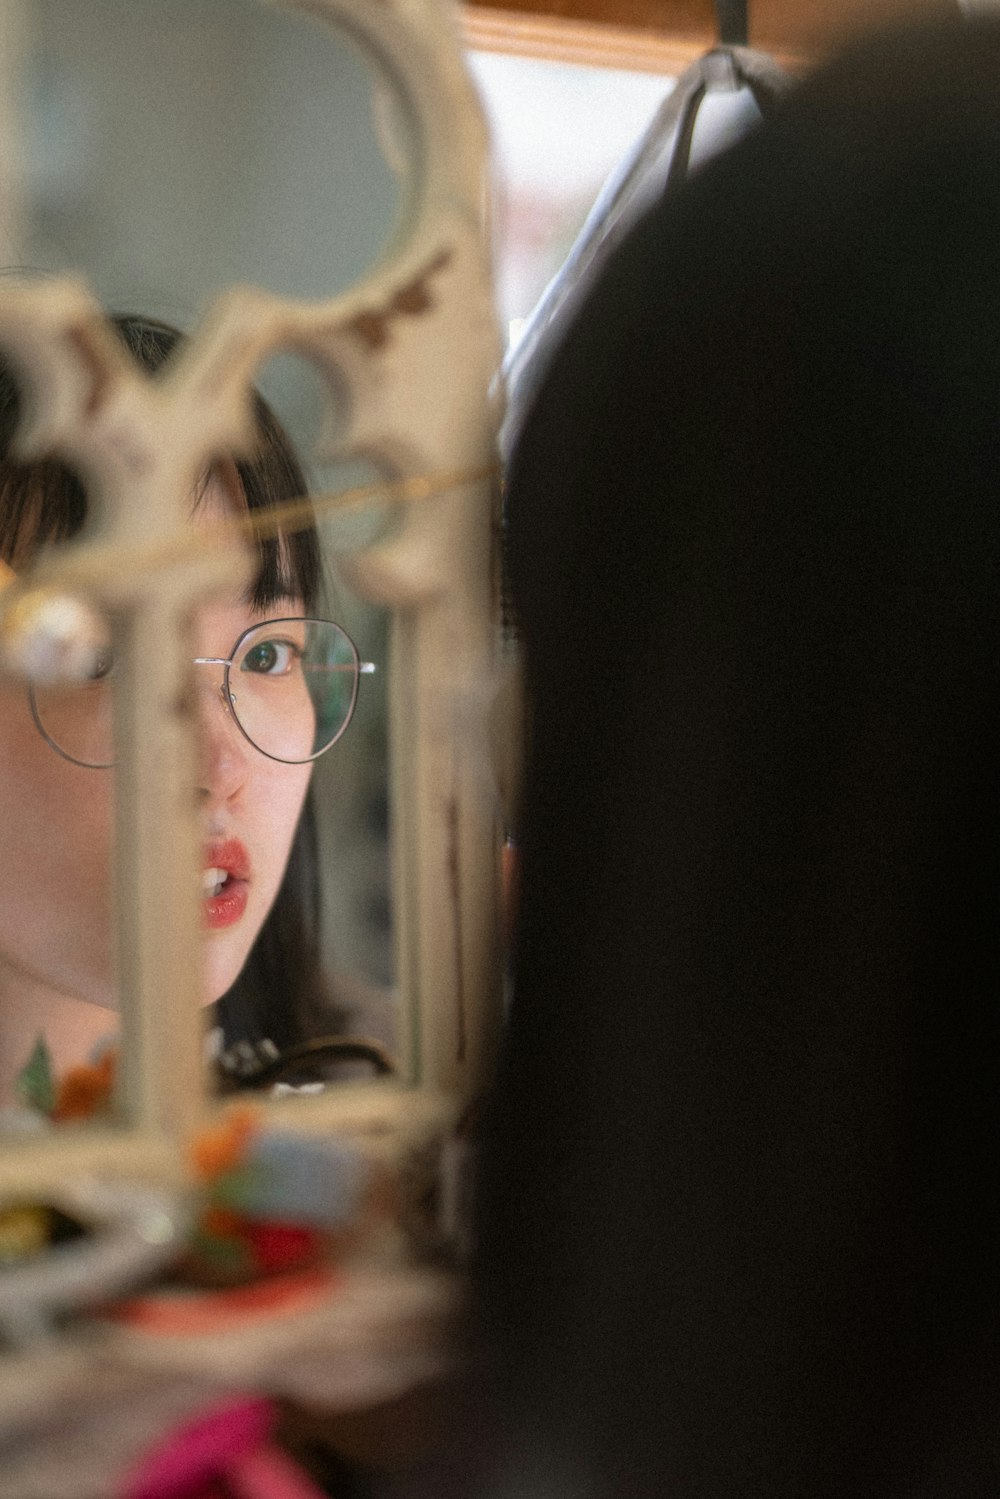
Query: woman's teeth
{"x": 213, "y": 880}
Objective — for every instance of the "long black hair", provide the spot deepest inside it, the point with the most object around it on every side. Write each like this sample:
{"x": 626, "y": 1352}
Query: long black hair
{"x": 740, "y": 1208}
{"x": 281, "y": 994}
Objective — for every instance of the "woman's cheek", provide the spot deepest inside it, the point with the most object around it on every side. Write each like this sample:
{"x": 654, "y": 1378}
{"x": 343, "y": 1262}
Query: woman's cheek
{"x": 56, "y": 894}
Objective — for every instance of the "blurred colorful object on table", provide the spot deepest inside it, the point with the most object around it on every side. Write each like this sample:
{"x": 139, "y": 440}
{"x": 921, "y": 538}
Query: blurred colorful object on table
{"x": 225, "y": 1450}
{"x": 273, "y": 1201}
{"x": 83, "y": 1092}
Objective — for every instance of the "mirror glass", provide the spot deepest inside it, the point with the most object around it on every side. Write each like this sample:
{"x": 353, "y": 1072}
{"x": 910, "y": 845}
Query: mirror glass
{"x": 58, "y": 989}
{"x": 163, "y": 150}
{"x": 168, "y": 148}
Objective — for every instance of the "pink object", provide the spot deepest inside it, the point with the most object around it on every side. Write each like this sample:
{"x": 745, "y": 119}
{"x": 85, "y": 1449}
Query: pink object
{"x": 226, "y": 1450}
{"x": 266, "y": 1473}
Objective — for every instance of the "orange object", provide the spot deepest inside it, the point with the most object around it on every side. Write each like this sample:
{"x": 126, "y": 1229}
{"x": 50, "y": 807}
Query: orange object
{"x": 195, "y": 1313}
{"x": 221, "y": 1223}
{"x": 86, "y": 1090}
{"x": 222, "y": 1147}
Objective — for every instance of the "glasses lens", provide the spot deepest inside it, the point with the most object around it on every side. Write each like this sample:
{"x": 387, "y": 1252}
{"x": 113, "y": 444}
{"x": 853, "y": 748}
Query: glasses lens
{"x": 77, "y": 718}
{"x": 293, "y": 685}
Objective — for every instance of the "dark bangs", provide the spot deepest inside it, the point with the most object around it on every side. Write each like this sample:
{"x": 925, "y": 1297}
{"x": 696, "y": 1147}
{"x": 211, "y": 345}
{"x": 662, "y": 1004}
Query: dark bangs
{"x": 44, "y": 502}
{"x": 39, "y": 502}
{"x": 289, "y": 563}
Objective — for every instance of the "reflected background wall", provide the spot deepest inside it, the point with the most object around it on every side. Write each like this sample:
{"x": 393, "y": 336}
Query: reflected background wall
{"x": 133, "y": 114}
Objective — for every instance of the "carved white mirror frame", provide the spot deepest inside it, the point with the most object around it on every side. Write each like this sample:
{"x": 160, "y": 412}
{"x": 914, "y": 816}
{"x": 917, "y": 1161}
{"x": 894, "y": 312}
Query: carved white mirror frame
{"x": 414, "y": 347}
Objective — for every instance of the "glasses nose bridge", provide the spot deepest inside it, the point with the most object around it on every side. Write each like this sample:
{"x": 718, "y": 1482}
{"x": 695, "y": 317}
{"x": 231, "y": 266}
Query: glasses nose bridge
{"x": 224, "y": 662}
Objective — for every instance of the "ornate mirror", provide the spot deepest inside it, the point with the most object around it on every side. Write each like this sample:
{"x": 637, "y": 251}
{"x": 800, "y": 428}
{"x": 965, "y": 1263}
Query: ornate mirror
{"x": 245, "y": 262}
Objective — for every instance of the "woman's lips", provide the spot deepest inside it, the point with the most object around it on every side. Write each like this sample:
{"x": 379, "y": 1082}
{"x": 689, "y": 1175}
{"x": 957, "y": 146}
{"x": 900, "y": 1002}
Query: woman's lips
{"x": 226, "y": 860}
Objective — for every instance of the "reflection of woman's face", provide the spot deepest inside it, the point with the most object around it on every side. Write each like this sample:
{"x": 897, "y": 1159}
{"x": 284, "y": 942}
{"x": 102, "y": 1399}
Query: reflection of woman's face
{"x": 250, "y": 807}
{"x": 56, "y": 838}
{"x": 55, "y": 860}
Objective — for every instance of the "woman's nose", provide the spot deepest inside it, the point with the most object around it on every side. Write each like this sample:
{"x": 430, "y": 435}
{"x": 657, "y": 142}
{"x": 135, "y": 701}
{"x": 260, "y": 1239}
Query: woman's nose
{"x": 224, "y": 754}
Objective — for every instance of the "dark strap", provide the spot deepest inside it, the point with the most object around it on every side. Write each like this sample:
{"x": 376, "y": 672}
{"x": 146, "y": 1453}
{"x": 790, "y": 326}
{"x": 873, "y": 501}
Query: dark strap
{"x": 732, "y": 18}
{"x": 264, "y": 1069}
{"x": 680, "y": 158}
{"x": 725, "y": 67}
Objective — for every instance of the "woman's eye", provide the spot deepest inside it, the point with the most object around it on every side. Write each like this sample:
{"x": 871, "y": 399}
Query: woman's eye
{"x": 272, "y": 658}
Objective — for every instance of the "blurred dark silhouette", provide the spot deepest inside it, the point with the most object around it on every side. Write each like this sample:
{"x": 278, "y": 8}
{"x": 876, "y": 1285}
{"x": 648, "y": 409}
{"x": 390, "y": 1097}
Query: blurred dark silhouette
{"x": 739, "y": 1230}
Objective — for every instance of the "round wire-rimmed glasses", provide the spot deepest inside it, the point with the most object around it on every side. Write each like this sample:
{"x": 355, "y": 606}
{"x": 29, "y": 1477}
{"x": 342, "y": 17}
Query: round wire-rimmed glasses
{"x": 291, "y": 686}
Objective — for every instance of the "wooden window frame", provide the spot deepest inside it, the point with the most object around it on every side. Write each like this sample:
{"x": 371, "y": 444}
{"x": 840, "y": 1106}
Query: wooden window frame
{"x": 666, "y": 36}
